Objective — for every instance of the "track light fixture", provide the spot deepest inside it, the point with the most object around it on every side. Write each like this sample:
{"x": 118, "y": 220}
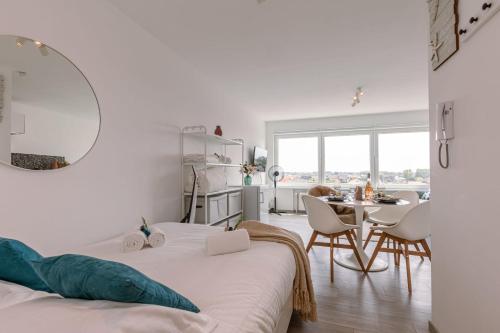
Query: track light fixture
{"x": 357, "y": 96}
{"x": 44, "y": 51}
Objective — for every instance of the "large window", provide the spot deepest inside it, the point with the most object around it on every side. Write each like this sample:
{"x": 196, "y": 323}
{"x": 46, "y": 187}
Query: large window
{"x": 299, "y": 157}
{"x": 397, "y": 158}
{"x": 347, "y": 159}
{"x": 403, "y": 159}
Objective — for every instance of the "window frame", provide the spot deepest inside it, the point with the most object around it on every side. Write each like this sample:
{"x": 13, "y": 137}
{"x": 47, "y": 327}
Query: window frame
{"x": 373, "y": 134}
{"x": 347, "y": 133}
{"x": 298, "y": 136}
{"x": 397, "y": 131}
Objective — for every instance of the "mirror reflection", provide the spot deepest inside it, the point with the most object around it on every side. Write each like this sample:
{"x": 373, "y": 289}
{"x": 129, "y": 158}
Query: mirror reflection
{"x": 49, "y": 115}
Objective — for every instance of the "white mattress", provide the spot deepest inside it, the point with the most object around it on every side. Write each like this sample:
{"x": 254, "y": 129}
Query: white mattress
{"x": 243, "y": 292}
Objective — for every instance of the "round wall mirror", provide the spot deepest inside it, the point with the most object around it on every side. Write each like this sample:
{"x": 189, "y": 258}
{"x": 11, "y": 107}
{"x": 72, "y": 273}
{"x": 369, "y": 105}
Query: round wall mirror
{"x": 49, "y": 114}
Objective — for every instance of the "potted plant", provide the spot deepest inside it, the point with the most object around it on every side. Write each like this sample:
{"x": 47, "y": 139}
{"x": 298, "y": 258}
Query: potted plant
{"x": 248, "y": 170}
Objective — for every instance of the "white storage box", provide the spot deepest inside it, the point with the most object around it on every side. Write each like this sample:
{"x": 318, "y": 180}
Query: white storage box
{"x": 217, "y": 208}
{"x": 234, "y": 203}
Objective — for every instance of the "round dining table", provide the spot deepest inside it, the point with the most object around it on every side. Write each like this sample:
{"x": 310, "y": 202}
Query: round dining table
{"x": 349, "y": 260}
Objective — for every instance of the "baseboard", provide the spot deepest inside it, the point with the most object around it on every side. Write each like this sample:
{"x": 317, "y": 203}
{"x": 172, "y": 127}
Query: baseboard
{"x": 432, "y": 328}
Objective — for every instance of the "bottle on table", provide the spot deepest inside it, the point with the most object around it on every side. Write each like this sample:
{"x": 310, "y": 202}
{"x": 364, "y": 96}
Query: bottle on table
{"x": 368, "y": 189}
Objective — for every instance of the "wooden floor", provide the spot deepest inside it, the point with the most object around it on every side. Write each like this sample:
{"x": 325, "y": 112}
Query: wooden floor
{"x": 354, "y": 303}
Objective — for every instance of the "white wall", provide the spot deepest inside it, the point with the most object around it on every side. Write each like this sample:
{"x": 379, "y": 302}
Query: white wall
{"x": 146, "y": 93}
{"x": 6, "y": 115}
{"x": 465, "y": 232}
{"x": 54, "y": 133}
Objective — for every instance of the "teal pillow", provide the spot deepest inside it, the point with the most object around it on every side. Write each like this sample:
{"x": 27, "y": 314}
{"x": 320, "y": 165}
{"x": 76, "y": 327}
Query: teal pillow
{"x": 15, "y": 264}
{"x": 76, "y": 276}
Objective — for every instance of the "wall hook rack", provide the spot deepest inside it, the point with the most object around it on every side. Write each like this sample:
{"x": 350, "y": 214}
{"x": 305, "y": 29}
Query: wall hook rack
{"x": 485, "y": 13}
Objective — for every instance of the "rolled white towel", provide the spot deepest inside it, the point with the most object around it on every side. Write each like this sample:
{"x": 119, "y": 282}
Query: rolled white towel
{"x": 157, "y": 237}
{"x": 227, "y": 242}
{"x": 134, "y": 241}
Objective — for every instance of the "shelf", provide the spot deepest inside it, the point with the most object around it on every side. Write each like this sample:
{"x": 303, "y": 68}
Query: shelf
{"x": 214, "y": 139}
{"x": 226, "y": 218}
{"x": 214, "y": 164}
{"x": 228, "y": 190}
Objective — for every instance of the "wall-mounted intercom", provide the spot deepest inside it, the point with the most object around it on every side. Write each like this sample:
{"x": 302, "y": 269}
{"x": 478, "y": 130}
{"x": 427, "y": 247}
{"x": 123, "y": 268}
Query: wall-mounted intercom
{"x": 445, "y": 130}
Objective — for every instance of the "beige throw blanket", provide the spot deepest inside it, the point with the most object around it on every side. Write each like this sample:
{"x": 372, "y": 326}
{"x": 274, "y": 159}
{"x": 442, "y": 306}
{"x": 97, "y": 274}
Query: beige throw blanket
{"x": 303, "y": 293}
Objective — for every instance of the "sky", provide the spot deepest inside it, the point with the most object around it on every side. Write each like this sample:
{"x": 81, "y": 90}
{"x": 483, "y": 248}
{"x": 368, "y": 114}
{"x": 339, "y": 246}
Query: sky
{"x": 397, "y": 152}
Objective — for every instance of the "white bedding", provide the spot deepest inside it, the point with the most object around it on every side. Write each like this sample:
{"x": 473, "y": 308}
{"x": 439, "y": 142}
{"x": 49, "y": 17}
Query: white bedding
{"x": 23, "y": 310}
{"x": 240, "y": 292}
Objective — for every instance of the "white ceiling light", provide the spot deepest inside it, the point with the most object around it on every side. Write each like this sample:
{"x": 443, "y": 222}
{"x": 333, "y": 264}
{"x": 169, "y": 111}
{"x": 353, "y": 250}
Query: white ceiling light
{"x": 357, "y": 96}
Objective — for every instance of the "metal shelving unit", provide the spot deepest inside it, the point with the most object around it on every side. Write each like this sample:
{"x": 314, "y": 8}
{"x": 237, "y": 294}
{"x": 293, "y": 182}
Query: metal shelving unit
{"x": 199, "y": 135}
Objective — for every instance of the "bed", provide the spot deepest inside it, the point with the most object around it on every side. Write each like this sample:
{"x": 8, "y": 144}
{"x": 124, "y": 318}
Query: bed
{"x": 248, "y": 291}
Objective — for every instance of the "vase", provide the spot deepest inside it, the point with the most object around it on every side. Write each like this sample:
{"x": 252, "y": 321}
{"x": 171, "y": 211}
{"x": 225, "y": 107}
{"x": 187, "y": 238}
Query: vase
{"x": 248, "y": 180}
{"x": 218, "y": 130}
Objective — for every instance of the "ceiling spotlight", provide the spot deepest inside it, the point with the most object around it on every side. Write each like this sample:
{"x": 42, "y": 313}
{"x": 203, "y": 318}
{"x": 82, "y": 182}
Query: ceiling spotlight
{"x": 20, "y": 41}
{"x": 38, "y": 44}
{"x": 357, "y": 96}
{"x": 43, "y": 50}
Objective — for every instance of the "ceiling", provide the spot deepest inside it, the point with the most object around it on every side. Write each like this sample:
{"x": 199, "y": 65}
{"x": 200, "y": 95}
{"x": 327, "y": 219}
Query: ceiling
{"x": 284, "y": 59}
{"x": 51, "y": 82}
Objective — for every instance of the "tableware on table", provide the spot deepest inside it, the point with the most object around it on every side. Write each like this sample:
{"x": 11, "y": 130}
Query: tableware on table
{"x": 386, "y": 199}
{"x": 336, "y": 198}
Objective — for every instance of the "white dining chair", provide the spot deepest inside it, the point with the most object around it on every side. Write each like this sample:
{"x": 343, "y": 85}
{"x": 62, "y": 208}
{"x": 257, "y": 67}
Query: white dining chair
{"x": 391, "y": 214}
{"x": 413, "y": 229}
{"x": 325, "y": 222}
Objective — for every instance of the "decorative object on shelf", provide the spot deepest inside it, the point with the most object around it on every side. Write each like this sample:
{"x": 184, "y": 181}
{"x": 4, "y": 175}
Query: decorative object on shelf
{"x": 358, "y": 193}
{"x": 248, "y": 170}
{"x": 357, "y": 96}
{"x": 444, "y": 34}
{"x": 218, "y": 130}
{"x": 2, "y": 90}
{"x": 275, "y": 174}
{"x": 481, "y": 17}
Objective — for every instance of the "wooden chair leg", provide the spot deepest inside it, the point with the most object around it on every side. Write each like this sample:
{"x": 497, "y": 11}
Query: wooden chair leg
{"x": 355, "y": 249}
{"x": 331, "y": 259}
{"x": 353, "y": 233}
{"x": 426, "y": 248}
{"x": 377, "y": 249}
{"x": 396, "y": 262}
{"x": 367, "y": 241}
{"x": 400, "y": 250}
{"x": 408, "y": 271}
{"x": 418, "y": 250}
{"x": 312, "y": 240}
